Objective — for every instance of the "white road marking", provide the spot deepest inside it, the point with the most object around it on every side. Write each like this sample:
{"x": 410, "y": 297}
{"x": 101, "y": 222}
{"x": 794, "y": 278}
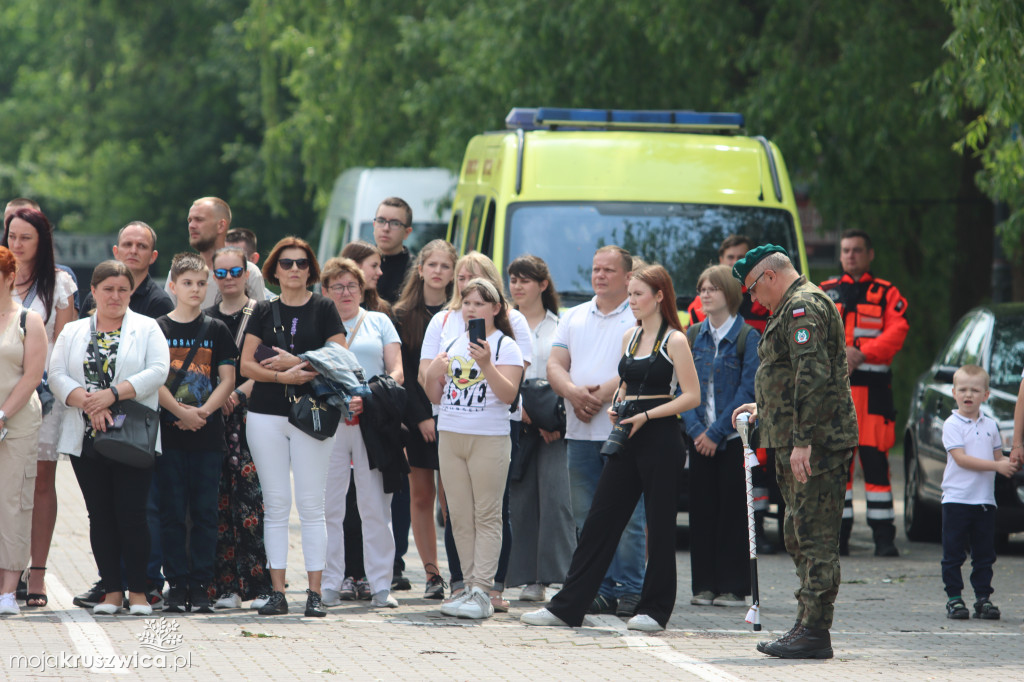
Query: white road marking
{"x": 88, "y": 637}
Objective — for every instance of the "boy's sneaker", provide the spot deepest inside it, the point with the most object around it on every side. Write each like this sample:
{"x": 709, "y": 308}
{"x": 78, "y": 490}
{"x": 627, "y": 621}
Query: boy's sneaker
{"x": 348, "y": 589}
{"x": 363, "y": 590}
{"x": 957, "y": 610}
{"x": 91, "y": 597}
{"x": 986, "y": 610}
{"x": 175, "y": 600}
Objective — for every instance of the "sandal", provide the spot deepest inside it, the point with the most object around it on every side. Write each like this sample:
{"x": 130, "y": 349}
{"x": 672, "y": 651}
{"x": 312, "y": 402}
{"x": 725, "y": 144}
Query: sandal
{"x": 41, "y": 599}
{"x": 499, "y": 603}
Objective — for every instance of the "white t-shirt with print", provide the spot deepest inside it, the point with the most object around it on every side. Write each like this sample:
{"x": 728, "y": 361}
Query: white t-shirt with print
{"x": 467, "y": 403}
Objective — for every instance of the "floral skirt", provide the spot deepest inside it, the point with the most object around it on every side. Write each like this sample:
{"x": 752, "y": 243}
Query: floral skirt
{"x": 240, "y": 566}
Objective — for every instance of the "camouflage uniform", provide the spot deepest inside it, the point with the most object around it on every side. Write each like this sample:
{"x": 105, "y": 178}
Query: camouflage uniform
{"x": 803, "y": 398}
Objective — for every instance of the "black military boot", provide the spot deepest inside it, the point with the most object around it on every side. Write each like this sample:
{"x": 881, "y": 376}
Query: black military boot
{"x": 885, "y": 536}
{"x": 763, "y": 546}
{"x": 763, "y": 646}
{"x": 845, "y": 530}
{"x": 803, "y": 643}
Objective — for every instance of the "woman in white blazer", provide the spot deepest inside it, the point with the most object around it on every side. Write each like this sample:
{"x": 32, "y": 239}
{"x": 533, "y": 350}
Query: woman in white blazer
{"x": 134, "y": 357}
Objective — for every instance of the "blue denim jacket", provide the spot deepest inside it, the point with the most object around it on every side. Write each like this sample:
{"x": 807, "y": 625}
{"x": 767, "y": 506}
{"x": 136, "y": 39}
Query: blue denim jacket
{"x": 734, "y": 381}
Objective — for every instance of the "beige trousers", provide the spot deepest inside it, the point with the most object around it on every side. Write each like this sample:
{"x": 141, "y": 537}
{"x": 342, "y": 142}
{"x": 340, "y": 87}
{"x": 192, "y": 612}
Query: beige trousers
{"x": 17, "y": 494}
{"x": 473, "y": 470}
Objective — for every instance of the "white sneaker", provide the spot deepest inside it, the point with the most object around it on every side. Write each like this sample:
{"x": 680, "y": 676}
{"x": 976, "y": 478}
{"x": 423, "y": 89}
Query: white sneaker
{"x": 451, "y": 607}
{"x": 104, "y": 609}
{"x": 477, "y": 606}
{"x": 140, "y": 610}
{"x": 228, "y": 601}
{"x": 9, "y": 605}
{"x": 260, "y": 601}
{"x": 532, "y": 593}
{"x": 383, "y": 600}
{"x": 330, "y": 597}
{"x": 643, "y": 622}
{"x": 542, "y": 617}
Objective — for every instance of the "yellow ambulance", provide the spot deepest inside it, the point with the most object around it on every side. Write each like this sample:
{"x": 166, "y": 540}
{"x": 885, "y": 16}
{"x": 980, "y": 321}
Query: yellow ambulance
{"x": 667, "y": 186}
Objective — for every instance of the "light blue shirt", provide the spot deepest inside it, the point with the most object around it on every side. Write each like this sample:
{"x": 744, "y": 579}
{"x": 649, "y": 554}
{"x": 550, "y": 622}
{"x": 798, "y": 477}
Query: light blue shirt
{"x": 369, "y": 340}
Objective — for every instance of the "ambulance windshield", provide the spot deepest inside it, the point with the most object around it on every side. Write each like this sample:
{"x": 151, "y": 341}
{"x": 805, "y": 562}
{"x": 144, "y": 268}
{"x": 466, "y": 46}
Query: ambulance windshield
{"x": 682, "y": 237}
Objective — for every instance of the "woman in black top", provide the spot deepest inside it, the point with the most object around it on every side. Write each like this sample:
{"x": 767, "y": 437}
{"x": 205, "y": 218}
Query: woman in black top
{"x": 279, "y": 449}
{"x": 654, "y": 358}
{"x": 428, "y": 286}
{"x": 240, "y": 565}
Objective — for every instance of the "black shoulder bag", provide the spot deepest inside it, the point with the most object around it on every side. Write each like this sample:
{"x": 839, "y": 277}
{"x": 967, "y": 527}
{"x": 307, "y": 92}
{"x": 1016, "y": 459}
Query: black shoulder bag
{"x": 134, "y": 442}
{"x": 316, "y": 418}
{"x": 166, "y": 416}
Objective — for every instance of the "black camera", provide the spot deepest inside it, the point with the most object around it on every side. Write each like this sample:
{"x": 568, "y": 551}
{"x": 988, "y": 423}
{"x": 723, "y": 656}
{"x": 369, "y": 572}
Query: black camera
{"x": 620, "y": 432}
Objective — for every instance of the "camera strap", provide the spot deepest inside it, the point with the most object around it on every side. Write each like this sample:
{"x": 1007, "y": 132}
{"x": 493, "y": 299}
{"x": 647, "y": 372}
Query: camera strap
{"x": 635, "y": 343}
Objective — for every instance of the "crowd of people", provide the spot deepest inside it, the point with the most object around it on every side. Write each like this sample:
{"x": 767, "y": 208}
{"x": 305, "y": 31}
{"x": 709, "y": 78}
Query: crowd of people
{"x": 549, "y": 443}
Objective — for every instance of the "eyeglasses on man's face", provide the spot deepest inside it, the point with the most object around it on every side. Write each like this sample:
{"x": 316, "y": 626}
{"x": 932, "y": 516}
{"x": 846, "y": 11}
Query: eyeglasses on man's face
{"x": 393, "y": 223}
{"x": 288, "y": 263}
{"x": 351, "y": 287}
{"x": 753, "y": 284}
{"x": 222, "y": 273}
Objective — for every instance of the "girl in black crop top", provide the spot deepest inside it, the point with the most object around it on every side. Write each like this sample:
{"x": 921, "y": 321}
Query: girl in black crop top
{"x": 654, "y": 356}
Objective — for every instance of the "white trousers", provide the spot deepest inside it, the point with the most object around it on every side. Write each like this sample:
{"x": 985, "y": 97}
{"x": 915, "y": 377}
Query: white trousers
{"x": 280, "y": 452}
{"x": 348, "y": 458}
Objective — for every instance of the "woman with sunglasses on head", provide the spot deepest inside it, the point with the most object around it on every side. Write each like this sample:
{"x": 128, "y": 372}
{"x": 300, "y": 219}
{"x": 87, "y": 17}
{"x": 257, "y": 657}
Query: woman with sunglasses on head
{"x": 643, "y": 459}
{"x": 279, "y": 449}
{"x": 428, "y": 286}
{"x": 49, "y": 291}
{"x": 445, "y": 326}
{"x": 373, "y": 340}
{"x": 545, "y": 532}
{"x": 240, "y": 565}
{"x": 474, "y": 381}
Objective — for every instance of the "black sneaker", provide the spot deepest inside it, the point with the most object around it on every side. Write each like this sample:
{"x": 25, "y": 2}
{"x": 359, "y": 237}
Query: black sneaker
{"x": 435, "y": 587}
{"x": 986, "y": 610}
{"x": 91, "y": 597}
{"x": 957, "y": 610}
{"x": 314, "y": 605}
{"x": 175, "y": 600}
{"x": 277, "y": 605}
{"x": 602, "y": 604}
{"x": 627, "y": 605}
{"x": 400, "y": 582}
{"x": 199, "y": 599}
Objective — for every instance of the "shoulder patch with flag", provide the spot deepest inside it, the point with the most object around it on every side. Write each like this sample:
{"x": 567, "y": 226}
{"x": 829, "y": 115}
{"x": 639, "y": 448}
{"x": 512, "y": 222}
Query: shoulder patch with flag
{"x": 798, "y": 312}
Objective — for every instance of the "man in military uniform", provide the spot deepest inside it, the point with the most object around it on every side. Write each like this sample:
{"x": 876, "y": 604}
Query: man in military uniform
{"x": 873, "y": 313}
{"x": 804, "y": 411}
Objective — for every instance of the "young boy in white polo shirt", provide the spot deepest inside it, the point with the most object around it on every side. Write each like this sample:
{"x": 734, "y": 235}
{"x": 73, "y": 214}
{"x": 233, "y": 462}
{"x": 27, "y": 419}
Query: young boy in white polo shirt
{"x": 975, "y": 451}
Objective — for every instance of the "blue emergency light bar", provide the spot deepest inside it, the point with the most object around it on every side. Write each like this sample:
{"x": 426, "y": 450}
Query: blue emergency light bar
{"x": 550, "y": 118}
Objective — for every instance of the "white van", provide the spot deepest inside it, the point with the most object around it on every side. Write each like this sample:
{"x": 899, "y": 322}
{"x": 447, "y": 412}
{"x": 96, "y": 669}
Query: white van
{"x": 358, "y": 191}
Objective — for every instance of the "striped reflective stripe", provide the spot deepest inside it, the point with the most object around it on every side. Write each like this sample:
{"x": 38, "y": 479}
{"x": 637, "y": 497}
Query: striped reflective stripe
{"x": 872, "y": 368}
{"x": 878, "y": 496}
{"x": 847, "y": 512}
{"x": 859, "y": 332}
{"x": 881, "y": 514}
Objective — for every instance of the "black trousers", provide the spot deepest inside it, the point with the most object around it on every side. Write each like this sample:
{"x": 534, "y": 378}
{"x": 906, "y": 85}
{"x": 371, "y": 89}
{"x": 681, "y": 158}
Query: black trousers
{"x": 719, "y": 546}
{"x": 649, "y": 466}
{"x": 115, "y": 497}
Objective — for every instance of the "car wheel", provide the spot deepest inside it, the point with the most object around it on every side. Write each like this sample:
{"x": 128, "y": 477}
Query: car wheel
{"x": 920, "y": 522}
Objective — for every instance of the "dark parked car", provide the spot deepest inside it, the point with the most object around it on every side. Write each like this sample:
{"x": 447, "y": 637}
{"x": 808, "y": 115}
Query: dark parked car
{"x": 990, "y": 336}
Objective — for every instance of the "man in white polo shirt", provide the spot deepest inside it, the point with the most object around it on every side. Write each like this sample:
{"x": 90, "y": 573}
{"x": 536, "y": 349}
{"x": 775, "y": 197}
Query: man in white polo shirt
{"x": 583, "y": 369}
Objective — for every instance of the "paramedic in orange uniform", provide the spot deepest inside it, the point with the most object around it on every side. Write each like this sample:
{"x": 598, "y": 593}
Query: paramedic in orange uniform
{"x": 874, "y": 316}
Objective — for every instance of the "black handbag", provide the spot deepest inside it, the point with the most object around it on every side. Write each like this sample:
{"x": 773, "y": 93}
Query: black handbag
{"x": 134, "y": 443}
{"x": 316, "y": 418}
{"x": 545, "y": 408}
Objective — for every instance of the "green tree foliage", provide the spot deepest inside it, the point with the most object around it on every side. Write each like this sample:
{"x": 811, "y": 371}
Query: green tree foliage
{"x": 980, "y": 84}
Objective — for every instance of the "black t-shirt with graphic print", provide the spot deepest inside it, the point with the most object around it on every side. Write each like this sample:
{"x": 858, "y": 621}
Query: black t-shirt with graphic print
{"x": 201, "y": 378}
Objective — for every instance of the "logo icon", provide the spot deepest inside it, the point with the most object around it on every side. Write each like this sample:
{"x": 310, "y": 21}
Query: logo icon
{"x": 801, "y": 336}
{"x": 161, "y": 635}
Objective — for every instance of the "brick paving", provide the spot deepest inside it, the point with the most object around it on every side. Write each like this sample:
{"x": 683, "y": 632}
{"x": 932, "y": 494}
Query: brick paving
{"x": 889, "y": 624}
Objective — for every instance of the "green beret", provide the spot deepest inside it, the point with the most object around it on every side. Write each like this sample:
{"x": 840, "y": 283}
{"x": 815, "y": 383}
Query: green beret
{"x": 744, "y": 265}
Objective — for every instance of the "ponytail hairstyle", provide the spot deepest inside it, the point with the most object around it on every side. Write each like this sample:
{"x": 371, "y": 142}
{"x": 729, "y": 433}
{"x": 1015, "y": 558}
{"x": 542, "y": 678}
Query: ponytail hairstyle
{"x": 533, "y": 267}
{"x": 490, "y": 294}
{"x": 411, "y": 309}
{"x": 657, "y": 278}
{"x": 360, "y": 251}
